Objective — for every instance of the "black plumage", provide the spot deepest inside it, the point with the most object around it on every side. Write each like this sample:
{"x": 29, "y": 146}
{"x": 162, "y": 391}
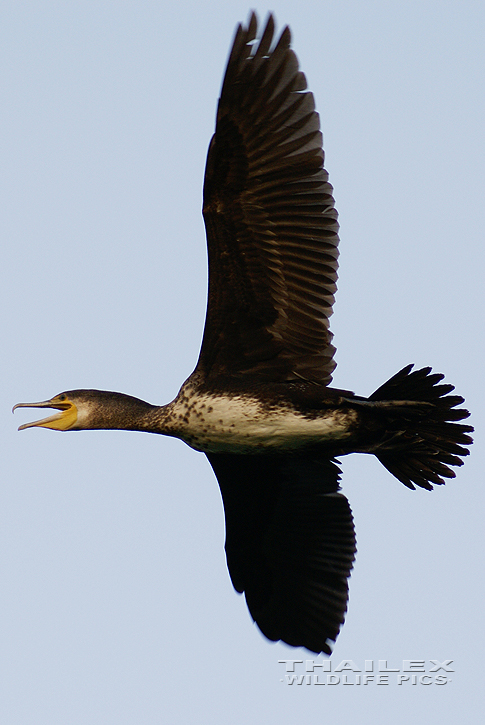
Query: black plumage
{"x": 271, "y": 224}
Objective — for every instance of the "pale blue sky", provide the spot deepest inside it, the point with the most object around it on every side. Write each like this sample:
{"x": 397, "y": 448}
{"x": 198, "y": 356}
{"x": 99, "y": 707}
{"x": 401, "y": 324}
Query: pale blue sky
{"x": 116, "y": 603}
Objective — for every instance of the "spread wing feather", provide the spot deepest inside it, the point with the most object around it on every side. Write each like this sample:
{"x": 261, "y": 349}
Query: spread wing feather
{"x": 271, "y": 222}
{"x": 290, "y": 543}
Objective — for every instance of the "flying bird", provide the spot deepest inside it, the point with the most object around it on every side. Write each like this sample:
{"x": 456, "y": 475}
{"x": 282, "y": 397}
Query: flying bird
{"x": 258, "y": 403}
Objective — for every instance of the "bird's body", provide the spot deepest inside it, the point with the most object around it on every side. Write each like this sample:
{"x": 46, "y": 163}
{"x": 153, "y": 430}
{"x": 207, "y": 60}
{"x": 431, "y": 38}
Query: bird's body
{"x": 259, "y": 403}
{"x": 238, "y": 423}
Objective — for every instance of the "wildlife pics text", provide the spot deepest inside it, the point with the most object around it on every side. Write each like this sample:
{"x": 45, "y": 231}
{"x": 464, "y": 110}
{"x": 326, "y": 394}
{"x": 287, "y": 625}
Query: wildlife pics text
{"x": 405, "y": 673}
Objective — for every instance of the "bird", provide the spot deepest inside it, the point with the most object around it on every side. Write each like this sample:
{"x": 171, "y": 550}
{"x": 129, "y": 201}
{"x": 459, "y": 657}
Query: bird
{"x": 259, "y": 403}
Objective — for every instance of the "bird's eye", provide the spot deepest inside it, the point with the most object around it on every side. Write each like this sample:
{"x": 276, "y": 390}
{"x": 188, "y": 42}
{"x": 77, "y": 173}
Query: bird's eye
{"x": 62, "y": 397}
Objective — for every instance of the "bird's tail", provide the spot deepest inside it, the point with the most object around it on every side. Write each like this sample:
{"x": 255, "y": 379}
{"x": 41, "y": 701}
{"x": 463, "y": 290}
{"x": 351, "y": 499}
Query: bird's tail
{"x": 423, "y": 438}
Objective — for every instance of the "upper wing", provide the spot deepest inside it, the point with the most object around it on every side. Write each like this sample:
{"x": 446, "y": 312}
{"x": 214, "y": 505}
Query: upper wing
{"x": 270, "y": 220}
{"x": 290, "y": 543}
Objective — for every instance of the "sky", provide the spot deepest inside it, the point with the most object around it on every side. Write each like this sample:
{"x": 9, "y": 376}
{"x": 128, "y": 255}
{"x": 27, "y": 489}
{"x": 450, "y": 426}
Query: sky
{"x": 116, "y": 605}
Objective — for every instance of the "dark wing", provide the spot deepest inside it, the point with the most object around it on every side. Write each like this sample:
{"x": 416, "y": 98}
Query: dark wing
{"x": 290, "y": 543}
{"x": 270, "y": 220}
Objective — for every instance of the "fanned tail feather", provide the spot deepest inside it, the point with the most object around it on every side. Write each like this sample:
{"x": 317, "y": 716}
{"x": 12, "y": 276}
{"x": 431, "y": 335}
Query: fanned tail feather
{"x": 425, "y": 439}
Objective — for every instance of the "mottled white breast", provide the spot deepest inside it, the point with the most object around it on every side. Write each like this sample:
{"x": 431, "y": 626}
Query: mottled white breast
{"x": 214, "y": 423}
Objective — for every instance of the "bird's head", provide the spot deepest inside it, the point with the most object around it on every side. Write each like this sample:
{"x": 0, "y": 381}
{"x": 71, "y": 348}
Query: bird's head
{"x": 93, "y": 409}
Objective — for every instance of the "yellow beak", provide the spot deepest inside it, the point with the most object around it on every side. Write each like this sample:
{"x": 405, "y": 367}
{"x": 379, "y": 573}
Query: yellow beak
{"x": 59, "y": 421}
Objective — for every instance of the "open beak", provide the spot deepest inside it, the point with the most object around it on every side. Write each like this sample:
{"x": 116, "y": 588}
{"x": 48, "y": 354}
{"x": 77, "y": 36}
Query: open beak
{"x": 63, "y": 420}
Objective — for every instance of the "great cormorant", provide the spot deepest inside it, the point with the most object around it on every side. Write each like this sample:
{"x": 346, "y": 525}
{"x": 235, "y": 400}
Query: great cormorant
{"x": 258, "y": 403}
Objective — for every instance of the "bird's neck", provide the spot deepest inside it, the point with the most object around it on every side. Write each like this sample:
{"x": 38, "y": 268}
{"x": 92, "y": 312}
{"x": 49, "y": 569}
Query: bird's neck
{"x": 117, "y": 411}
